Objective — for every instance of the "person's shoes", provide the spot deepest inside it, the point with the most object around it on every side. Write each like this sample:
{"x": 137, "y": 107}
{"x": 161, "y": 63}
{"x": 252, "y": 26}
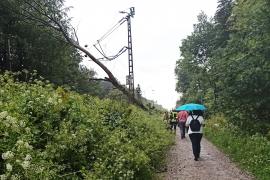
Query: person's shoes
{"x": 195, "y": 159}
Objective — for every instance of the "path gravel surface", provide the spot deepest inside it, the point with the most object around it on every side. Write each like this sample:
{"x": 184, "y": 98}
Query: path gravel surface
{"x": 212, "y": 165}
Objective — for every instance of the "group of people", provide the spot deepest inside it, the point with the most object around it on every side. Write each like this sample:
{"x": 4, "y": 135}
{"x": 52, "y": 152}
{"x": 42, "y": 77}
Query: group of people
{"x": 190, "y": 121}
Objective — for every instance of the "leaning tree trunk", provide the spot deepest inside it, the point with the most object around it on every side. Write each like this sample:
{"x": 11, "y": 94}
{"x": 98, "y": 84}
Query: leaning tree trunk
{"x": 38, "y": 12}
{"x": 111, "y": 77}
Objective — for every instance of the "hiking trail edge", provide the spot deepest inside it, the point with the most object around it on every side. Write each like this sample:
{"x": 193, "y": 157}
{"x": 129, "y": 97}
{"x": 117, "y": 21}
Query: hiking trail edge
{"x": 212, "y": 165}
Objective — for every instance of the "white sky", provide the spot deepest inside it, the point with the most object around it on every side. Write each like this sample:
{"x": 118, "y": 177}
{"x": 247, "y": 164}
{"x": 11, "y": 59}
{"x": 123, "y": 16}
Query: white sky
{"x": 157, "y": 30}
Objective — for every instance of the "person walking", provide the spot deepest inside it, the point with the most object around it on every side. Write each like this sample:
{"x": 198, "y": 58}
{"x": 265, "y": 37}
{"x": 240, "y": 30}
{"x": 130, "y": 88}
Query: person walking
{"x": 166, "y": 119}
{"x": 182, "y": 118}
{"x": 195, "y": 122}
{"x": 173, "y": 121}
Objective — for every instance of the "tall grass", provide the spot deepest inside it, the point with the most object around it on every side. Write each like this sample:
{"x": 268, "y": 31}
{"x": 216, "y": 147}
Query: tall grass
{"x": 252, "y": 153}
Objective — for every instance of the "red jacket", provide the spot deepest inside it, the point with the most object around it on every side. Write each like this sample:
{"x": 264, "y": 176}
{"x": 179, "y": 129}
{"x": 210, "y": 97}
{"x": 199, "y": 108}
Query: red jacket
{"x": 182, "y": 116}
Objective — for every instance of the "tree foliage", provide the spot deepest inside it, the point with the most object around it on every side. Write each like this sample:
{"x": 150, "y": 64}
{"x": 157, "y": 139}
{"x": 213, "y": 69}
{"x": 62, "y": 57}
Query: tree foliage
{"x": 27, "y": 44}
{"x": 230, "y": 62}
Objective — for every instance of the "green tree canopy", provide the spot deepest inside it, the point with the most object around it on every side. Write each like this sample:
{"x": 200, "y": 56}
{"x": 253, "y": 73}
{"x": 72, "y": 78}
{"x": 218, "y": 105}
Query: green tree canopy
{"x": 26, "y": 44}
{"x": 227, "y": 59}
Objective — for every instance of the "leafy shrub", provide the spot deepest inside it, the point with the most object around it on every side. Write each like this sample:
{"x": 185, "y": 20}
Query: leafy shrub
{"x": 49, "y": 133}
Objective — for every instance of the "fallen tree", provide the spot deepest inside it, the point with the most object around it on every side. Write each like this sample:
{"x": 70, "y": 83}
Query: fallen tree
{"x": 52, "y": 14}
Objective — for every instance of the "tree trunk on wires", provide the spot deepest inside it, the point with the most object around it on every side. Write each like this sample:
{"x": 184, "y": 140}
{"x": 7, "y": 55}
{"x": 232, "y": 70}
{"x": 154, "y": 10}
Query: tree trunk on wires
{"x": 53, "y": 15}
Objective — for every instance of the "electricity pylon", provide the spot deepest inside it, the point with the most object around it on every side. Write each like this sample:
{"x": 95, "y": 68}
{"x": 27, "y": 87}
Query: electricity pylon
{"x": 130, "y": 77}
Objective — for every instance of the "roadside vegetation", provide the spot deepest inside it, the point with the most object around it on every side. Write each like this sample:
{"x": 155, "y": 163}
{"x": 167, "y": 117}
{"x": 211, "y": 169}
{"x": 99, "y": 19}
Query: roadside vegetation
{"x": 250, "y": 152}
{"x": 225, "y": 65}
{"x": 49, "y": 132}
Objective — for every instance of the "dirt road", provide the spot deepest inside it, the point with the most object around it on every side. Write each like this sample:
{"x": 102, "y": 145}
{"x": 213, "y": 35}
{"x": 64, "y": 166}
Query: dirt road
{"x": 212, "y": 165}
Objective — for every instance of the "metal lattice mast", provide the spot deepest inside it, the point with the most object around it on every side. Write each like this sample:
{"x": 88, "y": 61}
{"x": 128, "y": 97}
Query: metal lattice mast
{"x": 130, "y": 76}
{"x": 130, "y": 53}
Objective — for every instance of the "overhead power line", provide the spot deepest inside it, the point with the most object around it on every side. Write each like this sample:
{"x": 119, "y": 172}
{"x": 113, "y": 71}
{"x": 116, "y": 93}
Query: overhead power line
{"x": 99, "y": 48}
{"x": 111, "y": 30}
{"x": 127, "y": 18}
{"x": 110, "y": 58}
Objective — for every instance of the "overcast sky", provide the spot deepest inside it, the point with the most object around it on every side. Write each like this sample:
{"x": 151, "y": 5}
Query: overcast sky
{"x": 158, "y": 28}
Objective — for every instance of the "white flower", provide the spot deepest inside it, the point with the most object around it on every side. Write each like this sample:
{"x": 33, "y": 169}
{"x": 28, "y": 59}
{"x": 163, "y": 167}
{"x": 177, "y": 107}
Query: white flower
{"x": 9, "y": 167}
{"x": 50, "y": 100}
{"x": 3, "y": 114}
{"x": 26, "y": 145}
{"x": 4, "y": 156}
{"x": 28, "y": 130}
{"x": 63, "y": 146}
{"x": 14, "y": 177}
{"x": 28, "y": 157}
{"x": 22, "y": 124}
{"x": 3, "y": 177}
{"x": 11, "y": 120}
{"x": 6, "y": 124}
{"x": 25, "y": 164}
{"x": 40, "y": 169}
{"x": 23, "y": 144}
{"x": 19, "y": 142}
{"x": 7, "y": 155}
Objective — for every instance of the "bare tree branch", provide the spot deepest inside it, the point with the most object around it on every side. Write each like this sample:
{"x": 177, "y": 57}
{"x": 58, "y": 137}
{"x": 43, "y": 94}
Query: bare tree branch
{"x": 75, "y": 34}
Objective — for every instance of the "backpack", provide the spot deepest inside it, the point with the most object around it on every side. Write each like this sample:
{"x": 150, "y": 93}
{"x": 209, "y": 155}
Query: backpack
{"x": 195, "y": 124}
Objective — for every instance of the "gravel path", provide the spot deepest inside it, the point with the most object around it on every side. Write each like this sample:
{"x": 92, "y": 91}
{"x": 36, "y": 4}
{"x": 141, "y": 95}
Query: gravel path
{"x": 212, "y": 165}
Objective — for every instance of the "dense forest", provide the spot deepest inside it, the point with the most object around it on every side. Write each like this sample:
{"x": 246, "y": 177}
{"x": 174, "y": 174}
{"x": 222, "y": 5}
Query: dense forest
{"x": 225, "y": 64}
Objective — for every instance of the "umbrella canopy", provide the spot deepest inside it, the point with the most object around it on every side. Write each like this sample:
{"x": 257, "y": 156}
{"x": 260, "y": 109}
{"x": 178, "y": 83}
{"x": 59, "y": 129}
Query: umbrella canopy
{"x": 191, "y": 107}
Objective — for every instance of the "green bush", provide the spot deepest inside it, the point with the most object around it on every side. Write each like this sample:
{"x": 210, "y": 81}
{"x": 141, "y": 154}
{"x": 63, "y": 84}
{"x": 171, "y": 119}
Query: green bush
{"x": 250, "y": 152}
{"x": 49, "y": 133}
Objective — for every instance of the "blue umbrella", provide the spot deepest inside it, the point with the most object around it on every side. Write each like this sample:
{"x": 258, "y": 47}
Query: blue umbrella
{"x": 191, "y": 107}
